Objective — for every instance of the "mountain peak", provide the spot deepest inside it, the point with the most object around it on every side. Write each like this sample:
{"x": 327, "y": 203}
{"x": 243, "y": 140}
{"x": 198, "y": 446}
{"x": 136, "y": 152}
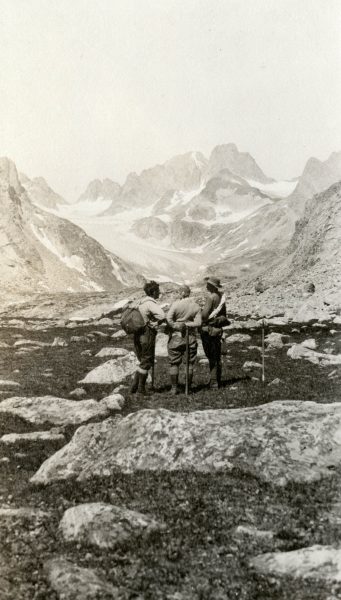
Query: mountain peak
{"x": 227, "y": 156}
{"x": 9, "y": 174}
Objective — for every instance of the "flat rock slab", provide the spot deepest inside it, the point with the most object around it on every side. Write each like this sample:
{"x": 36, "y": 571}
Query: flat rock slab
{"x": 298, "y": 351}
{"x": 113, "y": 352}
{"x": 9, "y": 383}
{"x": 279, "y": 442}
{"x": 31, "y": 343}
{"x": 105, "y": 525}
{"x": 253, "y": 532}
{"x": 112, "y": 371}
{"x": 322, "y": 563}
{"x": 33, "y": 438}
{"x": 22, "y": 513}
{"x": 238, "y": 338}
{"x": 71, "y": 582}
{"x": 40, "y": 410}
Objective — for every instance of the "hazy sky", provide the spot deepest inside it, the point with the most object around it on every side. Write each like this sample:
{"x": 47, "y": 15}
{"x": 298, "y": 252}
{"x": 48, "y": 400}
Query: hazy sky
{"x": 98, "y": 88}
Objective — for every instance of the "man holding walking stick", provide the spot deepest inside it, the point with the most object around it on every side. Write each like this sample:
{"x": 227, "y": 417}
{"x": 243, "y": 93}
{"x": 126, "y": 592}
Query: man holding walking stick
{"x": 184, "y": 317}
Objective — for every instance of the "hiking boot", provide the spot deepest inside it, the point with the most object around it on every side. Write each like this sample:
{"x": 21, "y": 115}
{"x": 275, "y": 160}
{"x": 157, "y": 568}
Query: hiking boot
{"x": 135, "y": 383}
{"x": 175, "y": 385}
{"x": 141, "y": 389}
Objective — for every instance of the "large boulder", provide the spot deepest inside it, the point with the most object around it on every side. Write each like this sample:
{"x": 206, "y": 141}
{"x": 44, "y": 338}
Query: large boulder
{"x": 277, "y": 442}
{"x": 321, "y": 563}
{"x": 112, "y": 371}
{"x": 42, "y": 410}
{"x": 105, "y": 525}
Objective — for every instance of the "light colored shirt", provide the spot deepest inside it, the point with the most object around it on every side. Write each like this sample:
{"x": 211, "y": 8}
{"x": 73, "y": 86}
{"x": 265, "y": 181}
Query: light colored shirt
{"x": 151, "y": 312}
{"x": 184, "y": 311}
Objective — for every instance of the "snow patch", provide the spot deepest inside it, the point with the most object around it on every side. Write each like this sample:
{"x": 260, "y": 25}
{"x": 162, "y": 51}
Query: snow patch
{"x": 281, "y": 189}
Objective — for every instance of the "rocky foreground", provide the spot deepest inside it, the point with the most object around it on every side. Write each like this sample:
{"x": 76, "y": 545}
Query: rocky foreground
{"x": 227, "y": 494}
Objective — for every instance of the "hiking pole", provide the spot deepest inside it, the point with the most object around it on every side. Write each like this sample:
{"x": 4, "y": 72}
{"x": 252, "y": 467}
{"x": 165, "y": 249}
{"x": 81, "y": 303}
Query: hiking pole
{"x": 187, "y": 362}
{"x": 153, "y": 370}
{"x": 263, "y": 353}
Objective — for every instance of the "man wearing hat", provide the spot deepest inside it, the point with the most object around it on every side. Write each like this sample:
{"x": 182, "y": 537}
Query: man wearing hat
{"x": 144, "y": 340}
{"x": 213, "y": 319}
{"x": 183, "y": 313}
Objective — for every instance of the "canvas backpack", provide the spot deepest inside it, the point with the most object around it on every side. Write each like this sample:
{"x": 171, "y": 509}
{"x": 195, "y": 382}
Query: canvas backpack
{"x": 132, "y": 320}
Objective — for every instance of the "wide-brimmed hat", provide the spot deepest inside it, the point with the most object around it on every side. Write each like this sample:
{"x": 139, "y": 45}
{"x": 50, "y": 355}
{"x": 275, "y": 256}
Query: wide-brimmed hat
{"x": 215, "y": 282}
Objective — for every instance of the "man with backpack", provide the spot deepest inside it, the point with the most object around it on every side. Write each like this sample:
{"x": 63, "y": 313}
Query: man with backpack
{"x": 145, "y": 337}
{"x": 213, "y": 318}
{"x": 183, "y": 313}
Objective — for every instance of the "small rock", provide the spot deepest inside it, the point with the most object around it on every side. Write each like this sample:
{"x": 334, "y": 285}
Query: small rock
{"x": 311, "y": 343}
{"x": 274, "y": 340}
{"x": 104, "y": 321}
{"x": 250, "y": 364}
{"x": 71, "y": 582}
{"x": 86, "y": 353}
{"x": 276, "y": 381}
{"x": 238, "y": 338}
{"x": 105, "y": 525}
{"x": 58, "y": 341}
{"x": 113, "y": 402}
{"x": 78, "y": 338}
{"x": 13, "y": 439}
{"x": 78, "y": 393}
{"x": 119, "y": 335}
{"x": 321, "y": 563}
{"x": 251, "y": 531}
{"x": 112, "y": 371}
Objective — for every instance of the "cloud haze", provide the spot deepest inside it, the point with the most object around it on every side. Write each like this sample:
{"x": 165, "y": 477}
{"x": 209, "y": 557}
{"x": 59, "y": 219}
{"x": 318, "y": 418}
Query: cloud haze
{"x": 100, "y": 88}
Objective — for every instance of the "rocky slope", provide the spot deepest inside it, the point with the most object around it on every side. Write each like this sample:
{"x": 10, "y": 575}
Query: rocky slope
{"x": 40, "y": 193}
{"x": 317, "y": 176}
{"x": 314, "y": 252}
{"x": 40, "y": 251}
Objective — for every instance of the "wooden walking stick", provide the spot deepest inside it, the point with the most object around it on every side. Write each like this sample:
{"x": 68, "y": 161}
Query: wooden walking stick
{"x": 263, "y": 353}
{"x": 153, "y": 370}
{"x": 187, "y": 362}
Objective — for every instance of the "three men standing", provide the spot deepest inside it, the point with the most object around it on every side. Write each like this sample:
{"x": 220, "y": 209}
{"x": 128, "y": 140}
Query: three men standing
{"x": 184, "y": 318}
